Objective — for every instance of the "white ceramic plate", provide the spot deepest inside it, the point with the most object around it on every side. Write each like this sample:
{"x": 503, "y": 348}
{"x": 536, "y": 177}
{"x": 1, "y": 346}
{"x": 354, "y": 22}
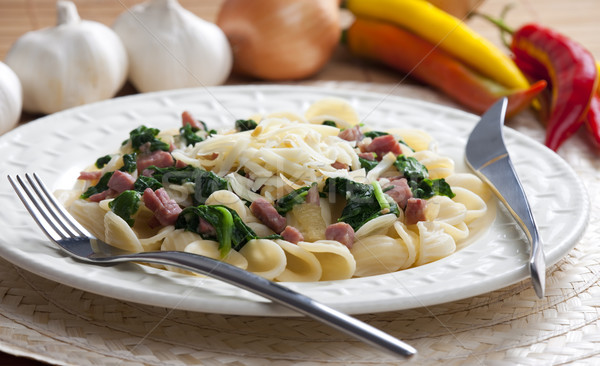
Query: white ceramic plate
{"x": 59, "y": 146}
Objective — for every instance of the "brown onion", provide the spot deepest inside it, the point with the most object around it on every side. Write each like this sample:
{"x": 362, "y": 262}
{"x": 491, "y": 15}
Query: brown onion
{"x": 280, "y": 39}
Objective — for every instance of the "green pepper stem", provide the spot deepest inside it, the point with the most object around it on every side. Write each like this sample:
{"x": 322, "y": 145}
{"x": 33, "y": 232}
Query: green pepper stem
{"x": 500, "y": 23}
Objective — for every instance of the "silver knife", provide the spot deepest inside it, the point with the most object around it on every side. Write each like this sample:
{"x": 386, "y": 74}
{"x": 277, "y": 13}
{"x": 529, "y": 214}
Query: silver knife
{"x": 486, "y": 154}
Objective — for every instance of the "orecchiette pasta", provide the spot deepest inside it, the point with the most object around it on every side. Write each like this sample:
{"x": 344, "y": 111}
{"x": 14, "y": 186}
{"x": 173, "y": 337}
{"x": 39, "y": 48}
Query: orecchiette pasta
{"x": 210, "y": 248}
{"x": 118, "y": 233}
{"x": 90, "y": 215}
{"x": 444, "y": 209}
{"x": 410, "y": 240}
{"x": 264, "y": 257}
{"x": 434, "y": 242}
{"x": 155, "y": 241}
{"x": 178, "y": 239}
{"x": 475, "y": 205}
{"x": 301, "y": 265}
{"x": 337, "y": 263}
{"x": 229, "y": 199}
{"x": 379, "y": 254}
{"x": 380, "y": 225}
{"x": 318, "y": 197}
{"x": 438, "y": 166}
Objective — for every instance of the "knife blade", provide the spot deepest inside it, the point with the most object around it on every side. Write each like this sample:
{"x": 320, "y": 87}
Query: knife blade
{"x": 487, "y": 155}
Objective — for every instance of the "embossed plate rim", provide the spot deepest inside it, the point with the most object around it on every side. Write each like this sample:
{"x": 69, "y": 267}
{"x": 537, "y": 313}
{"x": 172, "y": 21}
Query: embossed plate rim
{"x": 499, "y": 263}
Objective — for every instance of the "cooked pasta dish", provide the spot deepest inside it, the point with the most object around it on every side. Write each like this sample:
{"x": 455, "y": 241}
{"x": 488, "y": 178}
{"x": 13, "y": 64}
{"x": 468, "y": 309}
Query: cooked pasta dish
{"x": 312, "y": 197}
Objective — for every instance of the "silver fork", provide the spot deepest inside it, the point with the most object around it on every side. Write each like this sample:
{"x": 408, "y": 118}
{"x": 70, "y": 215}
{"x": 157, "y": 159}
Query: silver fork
{"x": 73, "y": 238}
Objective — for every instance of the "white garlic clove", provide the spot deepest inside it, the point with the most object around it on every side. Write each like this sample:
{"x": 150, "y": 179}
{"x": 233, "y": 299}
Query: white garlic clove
{"x": 74, "y": 63}
{"x": 11, "y": 98}
{"x": 169, "y": 47}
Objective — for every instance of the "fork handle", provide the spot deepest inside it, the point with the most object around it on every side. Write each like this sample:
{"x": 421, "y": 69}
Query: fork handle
{"x": 272, "y": 291}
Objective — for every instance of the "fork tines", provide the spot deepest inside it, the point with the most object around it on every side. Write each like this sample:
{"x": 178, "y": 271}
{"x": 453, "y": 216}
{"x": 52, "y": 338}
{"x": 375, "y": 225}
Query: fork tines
{"x": 50, "y": 215}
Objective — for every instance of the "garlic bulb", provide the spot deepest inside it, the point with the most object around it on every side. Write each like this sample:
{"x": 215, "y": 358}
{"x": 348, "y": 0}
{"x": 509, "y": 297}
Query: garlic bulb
{"x": 74, "y": 63}
{"x": 169, "y": 47}
{"x": 11, "y": 98}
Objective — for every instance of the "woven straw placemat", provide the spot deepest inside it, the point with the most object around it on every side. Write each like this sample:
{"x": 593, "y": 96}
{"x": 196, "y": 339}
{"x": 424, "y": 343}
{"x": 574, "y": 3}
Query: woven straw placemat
{"x": 61, "y": 325}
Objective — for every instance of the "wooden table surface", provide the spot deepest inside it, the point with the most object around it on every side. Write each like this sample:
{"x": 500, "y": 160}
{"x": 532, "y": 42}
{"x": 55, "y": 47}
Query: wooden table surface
{"x": 578, "y": 19}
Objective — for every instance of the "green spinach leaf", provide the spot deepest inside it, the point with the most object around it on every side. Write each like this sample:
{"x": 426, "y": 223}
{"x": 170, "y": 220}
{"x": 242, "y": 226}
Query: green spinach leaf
{"x": 418, "y": 179}
{"x": 205, "y": 182}
{"x": 129, "y": 163}
{"x": 125, "y": 205}
{"x": 428, "y": 188}
{"x": 231, "y": 231}
{"x": 142, "y": 182}
{"x": 374, "y": 134}
{"x": 245, "y": 124}
{"x": 102, "y": 161}
{"x": 189, "y": 134}
{"x": 143, "y": 135}
{"x": 362, "y": 204}
{"x": 411, "y": 168}
{"x": 287, "y": 202}
{"x": 101, "y": 186}
{"x": 367, "y": 164}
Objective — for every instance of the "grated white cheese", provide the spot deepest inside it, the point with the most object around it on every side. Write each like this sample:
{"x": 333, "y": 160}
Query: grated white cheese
{"x": 278, "y": 155}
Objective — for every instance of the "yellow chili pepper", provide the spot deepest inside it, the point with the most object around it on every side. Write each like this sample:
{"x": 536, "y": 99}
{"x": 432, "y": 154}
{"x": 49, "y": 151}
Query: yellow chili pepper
{"x": 447, "y": 32}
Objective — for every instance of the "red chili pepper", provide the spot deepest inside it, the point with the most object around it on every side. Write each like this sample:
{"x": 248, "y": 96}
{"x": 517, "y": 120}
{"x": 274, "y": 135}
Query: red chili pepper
{"x": 568, "y": 68}
{"x": 592, "y": 121}
{"x": 408, "y": 53}
{"x": 535, "y": 71}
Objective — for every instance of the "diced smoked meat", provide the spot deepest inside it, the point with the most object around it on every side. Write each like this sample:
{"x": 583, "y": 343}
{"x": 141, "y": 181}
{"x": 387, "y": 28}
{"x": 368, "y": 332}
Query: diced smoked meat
{"x": 367, "y": 156}
{"x": 341, "y": 232}
{"x": 90, "y": 175}
{"x": 363, "y": 145}
{"x": 102, "y": 195}
{"x": 211, "y": 156}
{"x": 165, "y": 209}
{"x": 292, "y": 235}
{"x": 384, "y": 144}
{"x": 268, "y": 215}
{"x": 187, "y": 119}
{"x": 312, "y": 196}
{"x": 399, "y": 191}
{"x": 338, "y": 165}
{"x": 121, "y": 181}
{"x": 415, "y": 210}
{"x": 147, "y": 172}
{"x": 118, "y": 183}
{"x": 161, "y": 159}
{"x": 351, "y": 134}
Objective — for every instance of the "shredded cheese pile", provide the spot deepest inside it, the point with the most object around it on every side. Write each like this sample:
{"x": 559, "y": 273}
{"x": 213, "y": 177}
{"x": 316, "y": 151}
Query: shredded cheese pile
{"x": 280, "y": 155}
